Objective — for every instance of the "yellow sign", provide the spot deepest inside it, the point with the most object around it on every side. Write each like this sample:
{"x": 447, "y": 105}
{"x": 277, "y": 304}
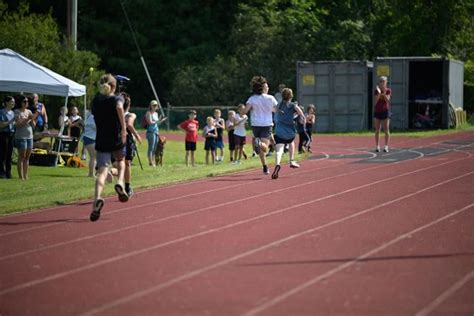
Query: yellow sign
{"x": 383, "y": 70}
{"x": 308, "y": 80}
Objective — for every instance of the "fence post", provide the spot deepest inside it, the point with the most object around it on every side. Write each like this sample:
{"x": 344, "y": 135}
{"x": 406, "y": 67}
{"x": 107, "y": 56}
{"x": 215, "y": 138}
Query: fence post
{"x": 168, "y": 110}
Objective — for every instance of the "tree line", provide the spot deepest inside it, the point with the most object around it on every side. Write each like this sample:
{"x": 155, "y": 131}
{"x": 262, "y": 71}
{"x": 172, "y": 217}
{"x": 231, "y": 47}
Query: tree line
{"x": 204, "y": 52}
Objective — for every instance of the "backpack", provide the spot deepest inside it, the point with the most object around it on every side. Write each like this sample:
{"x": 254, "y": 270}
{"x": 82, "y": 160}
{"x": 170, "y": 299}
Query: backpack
{"x": 143, "y": 122}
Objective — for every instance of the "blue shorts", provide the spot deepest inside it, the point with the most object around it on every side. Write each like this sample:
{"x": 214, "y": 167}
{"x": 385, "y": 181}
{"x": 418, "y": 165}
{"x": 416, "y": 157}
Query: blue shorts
{"x": 210, "y": 144}
{"x": 22, "y": 144}
{"x": 219, "y": 144}
{"x": 382, "y": 115}
{"x": 88, "y": 141}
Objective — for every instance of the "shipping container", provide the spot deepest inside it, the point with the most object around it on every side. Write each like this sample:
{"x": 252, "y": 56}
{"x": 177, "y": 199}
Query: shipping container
{"x": 341, "y": 91}
{"x": 422, "y": 89}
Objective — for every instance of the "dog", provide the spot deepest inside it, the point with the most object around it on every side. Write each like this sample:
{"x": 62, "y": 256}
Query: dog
{"x": 160, "y": 150}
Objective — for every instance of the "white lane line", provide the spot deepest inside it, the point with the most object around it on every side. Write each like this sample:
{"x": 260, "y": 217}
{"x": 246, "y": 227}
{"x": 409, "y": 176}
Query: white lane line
{"x": 168, "y": 200}
{"x": 445, "y": 295}
{"x": 341, "y": 267}
{"x": 184, "y": 238}
{"x": 196, "y": 272}
{"x": 216, "y": 206}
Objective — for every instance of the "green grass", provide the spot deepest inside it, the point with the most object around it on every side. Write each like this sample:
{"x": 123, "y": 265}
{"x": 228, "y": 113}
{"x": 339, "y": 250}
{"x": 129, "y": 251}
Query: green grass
{"x": 50, "y": 186}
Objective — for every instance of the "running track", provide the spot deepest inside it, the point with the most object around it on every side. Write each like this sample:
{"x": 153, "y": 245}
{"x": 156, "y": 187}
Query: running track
{"x": 349, "y": 233}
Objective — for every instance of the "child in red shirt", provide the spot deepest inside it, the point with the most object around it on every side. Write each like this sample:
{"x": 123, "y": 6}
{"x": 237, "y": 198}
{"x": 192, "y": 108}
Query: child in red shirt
{"x": 191, "y": 127}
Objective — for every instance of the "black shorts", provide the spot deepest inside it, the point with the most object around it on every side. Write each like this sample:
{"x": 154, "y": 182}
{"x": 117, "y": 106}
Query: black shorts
{"x": 210, "y": 144}
{"x": 129, "y": 149}
{"x": 279, "y": 140}
{"x": 231, "y": 140}
{"x": 382, "y": 115}
{"x": 262, "y": 131}
{"x": 190, "y": 146}
{"x": 239, "y": 140}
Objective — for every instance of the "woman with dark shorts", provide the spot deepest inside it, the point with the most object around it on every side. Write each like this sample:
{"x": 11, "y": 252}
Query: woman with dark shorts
{"x": 382, "y": 112}
{"x": 285, "y": 130}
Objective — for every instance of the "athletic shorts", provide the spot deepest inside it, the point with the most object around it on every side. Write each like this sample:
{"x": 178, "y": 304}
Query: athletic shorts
{"x": 190, "y": 146}
{"x": 231, "y": 140}
{"x": 210, "y": 144}
{"x": 262, "y": 131}
{"x": 279, "y": 140}
{"x": 88, "y": 141}
{"x": 219, "y": 144}
{"x": 382, "y": 115}
{"x": 22, "y": 144}
{"x": 104, "y": 159}
{"x": 239, "y": 140}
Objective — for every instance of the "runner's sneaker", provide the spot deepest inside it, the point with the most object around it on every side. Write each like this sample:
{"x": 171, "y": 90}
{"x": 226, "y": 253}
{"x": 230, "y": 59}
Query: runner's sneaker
{"x": 275, "y": 172}
{"x": 95, "y": 215}
{"x": 122, "y": 195}
{"x": 257, "y": 142}
{"x": 294, "y": 164}
{"x": 266, "y": 170}
{"x": 130, "y": 192}
{"x": 385, "y": 149}
{"x": 377, "y": 149}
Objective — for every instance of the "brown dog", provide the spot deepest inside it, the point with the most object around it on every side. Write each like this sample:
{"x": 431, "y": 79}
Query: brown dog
{"x": 160, "y": 150}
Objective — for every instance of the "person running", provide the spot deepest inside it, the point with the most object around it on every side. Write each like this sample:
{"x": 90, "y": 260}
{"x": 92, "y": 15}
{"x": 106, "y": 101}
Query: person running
{"x": 285, "y": 130}
{"x": 130, "y": 146}
{"x": 261, "y": 105}
{"x": 382, "y": 113}
{"x": 190, "y": 126}
{"x": 111, "y": 137}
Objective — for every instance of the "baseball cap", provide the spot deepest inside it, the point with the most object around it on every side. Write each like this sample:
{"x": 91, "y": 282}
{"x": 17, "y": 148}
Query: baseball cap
{"x": 383, "y": 78}
{"x": 154, "y": 102}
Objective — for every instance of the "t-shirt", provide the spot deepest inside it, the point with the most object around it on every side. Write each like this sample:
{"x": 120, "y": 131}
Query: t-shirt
{"x": 104, "y": 109}
{"x": 284, "y": 120}
{"x": 26, "y": 131}
{"x": 89, "y": 126}
{"x": 153, "y": 128}
{"x": 261, "y": 109}
{"x": 220, "y": 130}
{"x": 239, "y": 129}
{"x": 75, "y": 130}
{"x": 6, "y": 116}
{"x": 382, "y": 105}
{"x": 191, "y": 127}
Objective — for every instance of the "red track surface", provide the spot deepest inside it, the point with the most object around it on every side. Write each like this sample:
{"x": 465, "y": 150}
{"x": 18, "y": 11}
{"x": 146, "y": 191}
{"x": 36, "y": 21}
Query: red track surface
{"x": 335, "y": 237}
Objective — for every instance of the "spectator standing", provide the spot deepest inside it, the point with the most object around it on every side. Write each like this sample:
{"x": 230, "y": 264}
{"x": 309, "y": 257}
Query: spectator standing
{"x": 25, "y": 122}
{"x": 42, "y": 119}
{"x": 152, "y": 130}
{"x": 240, "y": 119}
{"x": 75, "y": 123}
{"x": 229, "y": 126}
{"x": 220, "y": 126}
{"x": 382, "y": 112}
{"x": 210, "y": 133}
{"x": 7, "y": 130}
{"x": 190, "y": 126}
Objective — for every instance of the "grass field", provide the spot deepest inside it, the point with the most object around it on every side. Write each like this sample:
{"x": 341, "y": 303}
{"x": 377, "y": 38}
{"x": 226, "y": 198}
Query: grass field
{"x": 49, "y": 186}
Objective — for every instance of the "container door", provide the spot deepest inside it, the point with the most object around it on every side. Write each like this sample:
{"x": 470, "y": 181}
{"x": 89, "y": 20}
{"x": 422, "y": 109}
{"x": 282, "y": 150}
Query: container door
{"x": 396, "y": 71}
{"x": 349, "y": 91}
{"x": 313, "y": 87}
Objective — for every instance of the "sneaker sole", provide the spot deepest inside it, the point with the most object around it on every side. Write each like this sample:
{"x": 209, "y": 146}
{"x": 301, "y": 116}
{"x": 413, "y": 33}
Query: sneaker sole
{"x": 275, "y": 172}
{"x": 122, "y": 195}
{"x": 95, "y": 215}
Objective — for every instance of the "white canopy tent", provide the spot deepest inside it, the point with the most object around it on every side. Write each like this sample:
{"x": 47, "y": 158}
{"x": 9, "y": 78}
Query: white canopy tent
{"x": 20, "y": 74}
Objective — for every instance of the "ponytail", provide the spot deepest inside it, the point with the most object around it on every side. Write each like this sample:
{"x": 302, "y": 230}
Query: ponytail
{"x": 107, "y": 84}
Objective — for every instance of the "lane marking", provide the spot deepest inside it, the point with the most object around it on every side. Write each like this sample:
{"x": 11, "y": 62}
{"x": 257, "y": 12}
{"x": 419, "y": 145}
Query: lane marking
{"x": 196, "y": 272}
{"x": 446, "y": 294}
{"x": 341, "y": 267}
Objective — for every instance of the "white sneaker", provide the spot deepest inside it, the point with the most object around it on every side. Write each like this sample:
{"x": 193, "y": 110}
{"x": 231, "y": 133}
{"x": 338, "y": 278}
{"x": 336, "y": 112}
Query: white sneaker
{"x": 294, "y": 164}
{"x": 385, "y": 149}
{"x": 377, "y": 149}
{"x": 83, "y": 157}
